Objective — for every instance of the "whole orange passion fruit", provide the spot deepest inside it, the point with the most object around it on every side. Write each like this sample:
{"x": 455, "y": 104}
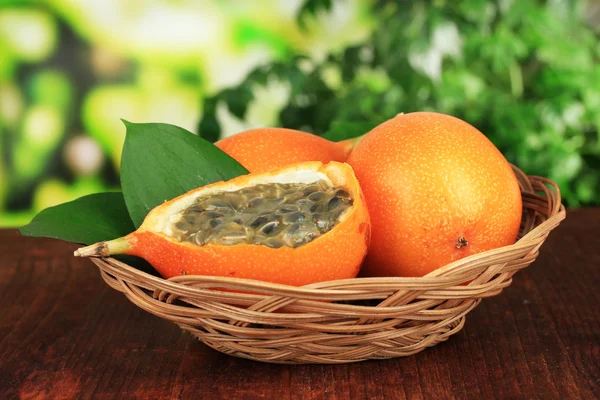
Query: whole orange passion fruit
{"x": 267, "y": 149}
{"x": 297, "y": 225}
{"x": 437, "y": 190}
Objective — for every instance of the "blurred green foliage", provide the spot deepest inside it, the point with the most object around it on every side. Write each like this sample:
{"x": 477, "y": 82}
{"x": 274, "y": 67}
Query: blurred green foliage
{"x": 526, "y": 73}
{"x": 71, "y": 69}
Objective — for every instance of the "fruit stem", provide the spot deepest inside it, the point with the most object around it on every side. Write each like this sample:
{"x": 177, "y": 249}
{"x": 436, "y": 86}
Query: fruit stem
{"x": 350, "y": 144}
{"x": 104, "y": 249}
{"x": 461, "y": 242}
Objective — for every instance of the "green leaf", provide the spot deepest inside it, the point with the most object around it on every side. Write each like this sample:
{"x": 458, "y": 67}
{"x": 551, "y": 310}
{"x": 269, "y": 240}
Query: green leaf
{"x": 209, "y": 127}
{"x": 162, "y": 161}
{"x": 87, "y": 220}
{"x": 592, "y": 160}
{"x": 237, "y": 100}
{"x": 312, "y": 8}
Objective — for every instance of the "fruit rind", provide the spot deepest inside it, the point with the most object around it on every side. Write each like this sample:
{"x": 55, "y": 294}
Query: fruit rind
{"x": 267, "y": 149}
{"x": 337, "y": 254}
{"x": 429, "y": 180}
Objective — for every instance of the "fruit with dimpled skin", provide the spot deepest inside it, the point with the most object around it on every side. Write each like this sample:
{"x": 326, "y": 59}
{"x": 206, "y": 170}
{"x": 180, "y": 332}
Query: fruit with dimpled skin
{"x": 267, "y": 149}
{"x": 437, "y": 190}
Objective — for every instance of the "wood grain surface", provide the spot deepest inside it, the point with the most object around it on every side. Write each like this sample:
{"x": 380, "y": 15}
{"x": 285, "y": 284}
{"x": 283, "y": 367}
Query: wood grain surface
{"x": 65, "y": 334}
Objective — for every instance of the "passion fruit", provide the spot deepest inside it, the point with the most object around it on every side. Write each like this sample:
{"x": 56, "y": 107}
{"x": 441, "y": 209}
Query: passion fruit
{"x": 268, "y": 149}
{"x": 298, "y": 225}
{"x": 437, "y": 190}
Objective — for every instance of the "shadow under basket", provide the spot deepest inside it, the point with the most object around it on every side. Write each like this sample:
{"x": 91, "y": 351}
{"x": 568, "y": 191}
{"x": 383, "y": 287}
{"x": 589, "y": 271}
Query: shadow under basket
{"x": 345, "y": 320}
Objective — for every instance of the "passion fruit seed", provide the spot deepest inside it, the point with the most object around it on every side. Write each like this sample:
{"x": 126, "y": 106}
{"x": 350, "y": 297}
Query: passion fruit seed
{"x": 316, "y": 196}
{"x": 273, "y": 215}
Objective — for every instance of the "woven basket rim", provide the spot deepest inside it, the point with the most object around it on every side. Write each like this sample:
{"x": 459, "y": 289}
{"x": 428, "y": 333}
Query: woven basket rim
{"x": 439, "y": 277}
{"x": 345, "y": 320}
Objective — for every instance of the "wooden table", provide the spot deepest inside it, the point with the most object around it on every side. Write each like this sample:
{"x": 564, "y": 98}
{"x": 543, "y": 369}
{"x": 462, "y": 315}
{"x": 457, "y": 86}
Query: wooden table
{"x": 65, "y": 334}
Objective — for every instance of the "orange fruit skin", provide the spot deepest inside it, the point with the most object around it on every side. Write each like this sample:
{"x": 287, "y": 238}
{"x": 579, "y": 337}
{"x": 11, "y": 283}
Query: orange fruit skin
{"x": 267, "y": 149}
{"x": 337, "y": 254}
{"x": 430, "y": 179}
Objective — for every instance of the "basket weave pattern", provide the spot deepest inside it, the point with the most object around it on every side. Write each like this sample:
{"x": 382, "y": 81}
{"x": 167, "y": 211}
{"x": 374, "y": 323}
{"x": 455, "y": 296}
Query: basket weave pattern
{"x": 346, "y": 320}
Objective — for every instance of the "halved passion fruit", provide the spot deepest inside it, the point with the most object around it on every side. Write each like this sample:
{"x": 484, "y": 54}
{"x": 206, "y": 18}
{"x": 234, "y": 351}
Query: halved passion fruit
{"x": 297, "y": 225}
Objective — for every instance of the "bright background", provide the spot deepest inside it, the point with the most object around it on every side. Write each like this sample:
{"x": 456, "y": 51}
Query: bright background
{"x": 526, "y": 73}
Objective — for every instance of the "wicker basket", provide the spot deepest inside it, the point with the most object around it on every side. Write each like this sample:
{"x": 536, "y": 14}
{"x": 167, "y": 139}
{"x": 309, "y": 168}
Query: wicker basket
{"x": 346, "y": 320}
